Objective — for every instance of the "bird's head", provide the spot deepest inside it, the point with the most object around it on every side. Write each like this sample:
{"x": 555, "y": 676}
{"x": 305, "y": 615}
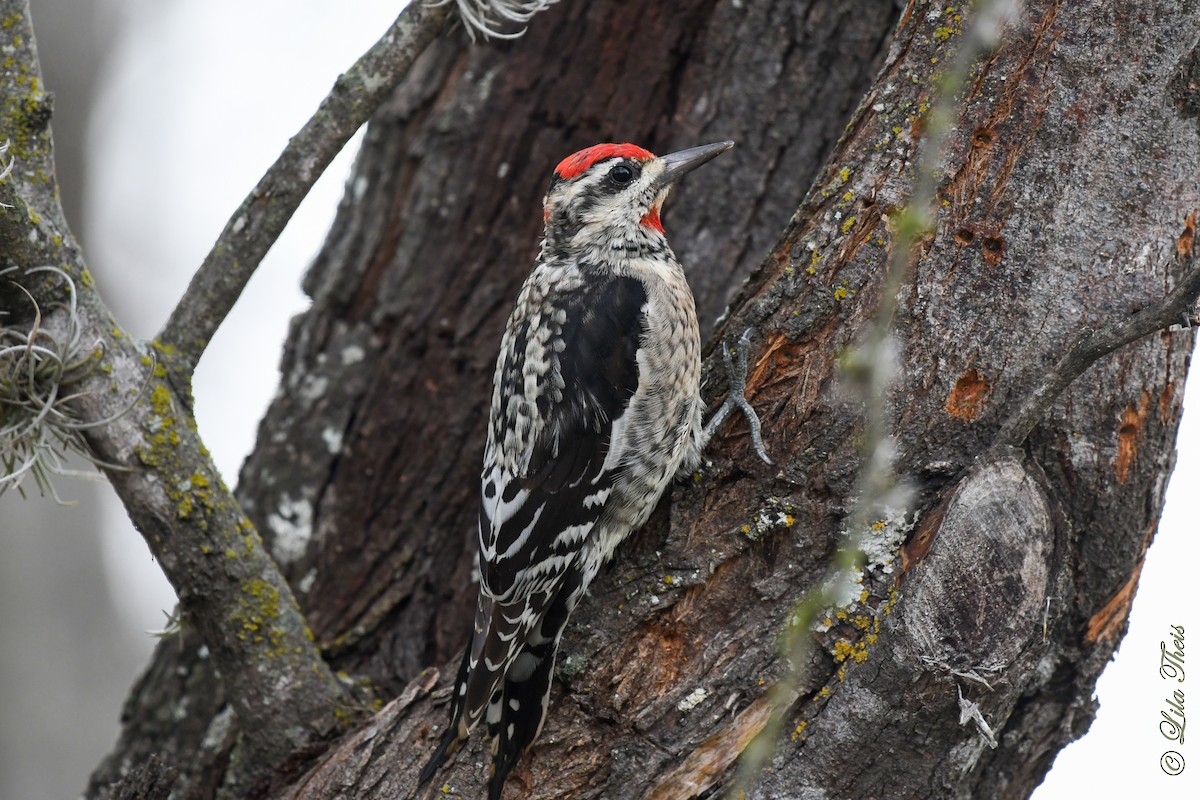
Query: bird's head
{"x": 613, "y": 193}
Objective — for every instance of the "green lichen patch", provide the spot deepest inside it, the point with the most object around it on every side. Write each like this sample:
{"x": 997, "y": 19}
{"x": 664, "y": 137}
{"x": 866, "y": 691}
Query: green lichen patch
{"x": 193, "y": 494}
{"x": 255, "y": 617}
{"x": 26, "y": 115}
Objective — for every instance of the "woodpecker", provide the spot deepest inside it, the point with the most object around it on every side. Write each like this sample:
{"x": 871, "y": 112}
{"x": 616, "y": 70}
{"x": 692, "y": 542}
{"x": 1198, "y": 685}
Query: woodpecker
{"x": 595, "y": 408}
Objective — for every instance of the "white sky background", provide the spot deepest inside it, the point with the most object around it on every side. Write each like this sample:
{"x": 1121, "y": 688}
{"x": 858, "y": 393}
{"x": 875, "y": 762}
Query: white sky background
{"x": 202, "y": 96}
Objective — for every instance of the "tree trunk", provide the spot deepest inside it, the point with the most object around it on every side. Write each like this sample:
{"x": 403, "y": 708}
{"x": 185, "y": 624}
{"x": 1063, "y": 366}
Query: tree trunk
{"x": 1064, "y": 203}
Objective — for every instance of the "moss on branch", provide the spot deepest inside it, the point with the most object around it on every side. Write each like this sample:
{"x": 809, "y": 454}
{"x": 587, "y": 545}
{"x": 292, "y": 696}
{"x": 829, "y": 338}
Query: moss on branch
{"x": 127, "y": 415}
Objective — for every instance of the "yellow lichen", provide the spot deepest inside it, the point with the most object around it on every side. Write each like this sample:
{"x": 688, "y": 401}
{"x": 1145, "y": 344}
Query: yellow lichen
{"x": 256, "y": 614}
{"x": 160, "y": 401}
{"x": 842, "y": 650}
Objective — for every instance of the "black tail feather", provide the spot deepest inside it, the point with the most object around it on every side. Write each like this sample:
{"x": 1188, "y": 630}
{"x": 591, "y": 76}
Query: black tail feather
{"x": 526, "y": 695}
{"x": 450, "y": 739}
{"x": 448, "y": 746}
{"x": 525, "y": 705}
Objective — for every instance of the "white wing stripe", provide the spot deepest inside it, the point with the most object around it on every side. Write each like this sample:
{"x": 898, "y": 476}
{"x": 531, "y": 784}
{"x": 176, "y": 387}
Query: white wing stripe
{"x": 597, "y": 498}
{"x": 524, "y": 537}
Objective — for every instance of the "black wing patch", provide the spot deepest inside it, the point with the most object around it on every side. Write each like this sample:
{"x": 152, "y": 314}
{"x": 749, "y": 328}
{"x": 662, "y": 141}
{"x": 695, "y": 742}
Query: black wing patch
{"x": 598, "y": 366}
{"x": 540, "y": 518}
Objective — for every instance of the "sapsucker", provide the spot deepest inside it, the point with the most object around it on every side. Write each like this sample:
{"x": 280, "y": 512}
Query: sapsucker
{"x": 595, "y": 408}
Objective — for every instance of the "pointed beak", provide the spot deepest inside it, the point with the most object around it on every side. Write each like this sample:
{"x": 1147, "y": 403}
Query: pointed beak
{"x": 676, "y": 164}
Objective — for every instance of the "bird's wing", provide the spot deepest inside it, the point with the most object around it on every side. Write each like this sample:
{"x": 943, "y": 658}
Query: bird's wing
{"x": 564, "y": 382}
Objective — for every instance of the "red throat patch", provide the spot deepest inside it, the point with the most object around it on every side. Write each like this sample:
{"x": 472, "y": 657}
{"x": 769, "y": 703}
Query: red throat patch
{"x": 576, "y": 164}
{"x": 651, "y": 219}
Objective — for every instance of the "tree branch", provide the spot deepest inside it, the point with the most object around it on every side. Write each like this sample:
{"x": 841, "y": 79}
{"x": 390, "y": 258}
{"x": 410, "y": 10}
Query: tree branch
{"x": 1094, "y": 344}
{"x": 262, "y": 216}
{"x": 143, "y": 436}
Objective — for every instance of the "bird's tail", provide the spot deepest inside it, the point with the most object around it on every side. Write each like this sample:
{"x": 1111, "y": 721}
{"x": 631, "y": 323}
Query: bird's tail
{"x": 500, "y": 632}
{"x": 519, "y": 712}
{"x": 518, "y": 708}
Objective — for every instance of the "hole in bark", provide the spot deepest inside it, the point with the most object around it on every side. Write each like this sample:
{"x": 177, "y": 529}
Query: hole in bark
{"x": 983, "y": 137}
{"x": 1164, "y": 401}
{"x": 963, "y": 237}
{"x": 993, "y": 249}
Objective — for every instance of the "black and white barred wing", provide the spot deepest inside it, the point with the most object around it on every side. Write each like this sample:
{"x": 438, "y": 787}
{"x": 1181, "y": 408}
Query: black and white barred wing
{"x": 562, "y": 390}
{"x": 552, "y": 458}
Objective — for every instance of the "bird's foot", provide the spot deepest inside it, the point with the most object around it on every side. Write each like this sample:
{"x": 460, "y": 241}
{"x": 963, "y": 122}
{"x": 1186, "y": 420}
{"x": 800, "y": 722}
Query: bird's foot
{"x": 735, "y": 370}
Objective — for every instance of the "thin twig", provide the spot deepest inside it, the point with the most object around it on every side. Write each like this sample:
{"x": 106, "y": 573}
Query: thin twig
{"x": 262, "y": 216}
{"x": 1090, "y": 347}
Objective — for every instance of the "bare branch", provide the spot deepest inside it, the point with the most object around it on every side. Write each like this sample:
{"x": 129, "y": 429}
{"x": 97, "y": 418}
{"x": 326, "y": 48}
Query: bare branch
{"x": 1093, "y": 344}
{"x": 86, "y": 382}
{"x": 262, "y": 216}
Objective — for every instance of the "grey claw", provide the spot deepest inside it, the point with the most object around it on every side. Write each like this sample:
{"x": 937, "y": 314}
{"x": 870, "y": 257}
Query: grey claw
{"x": 736, "y": 398}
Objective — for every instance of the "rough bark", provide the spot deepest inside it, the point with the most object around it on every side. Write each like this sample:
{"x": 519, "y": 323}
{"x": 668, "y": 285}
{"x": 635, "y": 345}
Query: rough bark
{"x": 1065, "y": 202}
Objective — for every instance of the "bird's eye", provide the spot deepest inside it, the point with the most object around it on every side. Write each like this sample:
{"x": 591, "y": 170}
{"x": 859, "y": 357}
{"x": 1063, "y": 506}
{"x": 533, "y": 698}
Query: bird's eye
{"x": 622, "y": 174}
